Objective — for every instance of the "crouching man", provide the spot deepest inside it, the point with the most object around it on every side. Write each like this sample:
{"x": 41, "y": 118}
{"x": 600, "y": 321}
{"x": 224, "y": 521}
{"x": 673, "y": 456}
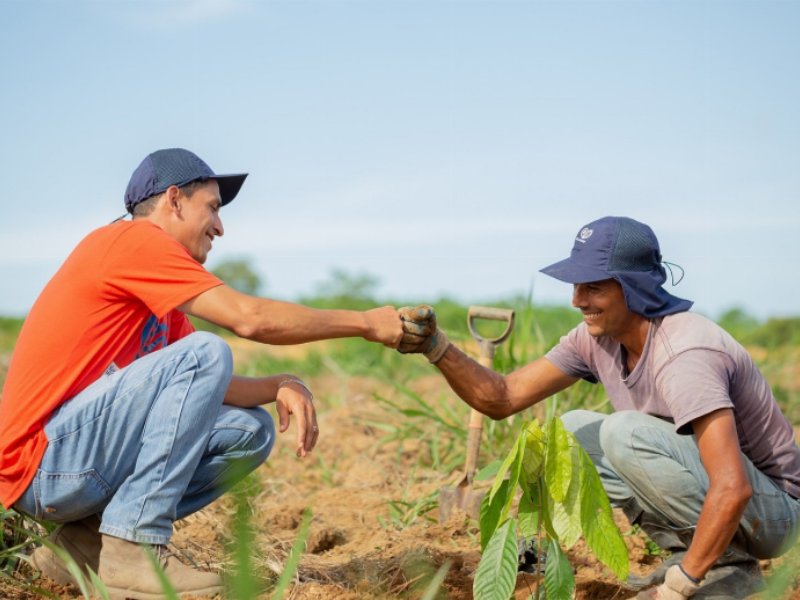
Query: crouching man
{"x": 697, "y": 451}
{"x": 116, "y": 417}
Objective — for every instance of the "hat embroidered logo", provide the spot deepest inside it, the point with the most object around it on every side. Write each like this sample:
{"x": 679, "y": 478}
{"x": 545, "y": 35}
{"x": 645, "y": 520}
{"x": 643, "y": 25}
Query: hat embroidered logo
{"x": 584, "y": 235}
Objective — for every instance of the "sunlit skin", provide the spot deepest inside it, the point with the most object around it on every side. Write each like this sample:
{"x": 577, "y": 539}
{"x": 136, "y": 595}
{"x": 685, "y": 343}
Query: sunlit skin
{"x": 606, "y": 314}
{"x": 198, "y": 220}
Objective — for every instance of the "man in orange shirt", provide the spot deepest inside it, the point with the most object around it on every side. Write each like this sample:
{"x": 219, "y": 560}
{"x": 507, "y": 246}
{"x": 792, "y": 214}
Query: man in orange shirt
{"x": 116, "y": 417}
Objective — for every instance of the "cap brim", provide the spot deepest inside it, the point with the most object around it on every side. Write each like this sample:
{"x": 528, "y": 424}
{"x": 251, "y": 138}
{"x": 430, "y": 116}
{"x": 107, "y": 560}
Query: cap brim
{"x": 229, "y": 186}
{"x": 572, "y": 272}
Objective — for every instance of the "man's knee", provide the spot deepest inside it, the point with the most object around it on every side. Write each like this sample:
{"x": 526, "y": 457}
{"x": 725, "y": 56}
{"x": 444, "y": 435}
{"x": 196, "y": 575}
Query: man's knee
{"x": 616, "y": 432}
{"x": 585, "y": 426}
{"x": 264, "y": 436}
{"x": 212, "y": 352}
{"x": 246, "y": 433}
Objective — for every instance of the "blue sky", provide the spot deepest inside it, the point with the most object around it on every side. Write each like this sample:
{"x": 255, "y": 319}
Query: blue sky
{"x": 444, "y": 147}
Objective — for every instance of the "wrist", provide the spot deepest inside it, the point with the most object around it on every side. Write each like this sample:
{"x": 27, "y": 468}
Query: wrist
{"x": 296, "y": 381}
{"x": 439, "y": 347}
{"x": 694, "y": 580}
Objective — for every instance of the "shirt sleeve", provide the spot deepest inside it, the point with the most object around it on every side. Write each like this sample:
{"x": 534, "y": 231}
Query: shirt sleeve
{"x": 570, "y": 355}
{"x": 147, "y": 264}
{"x": 693, "y": 384}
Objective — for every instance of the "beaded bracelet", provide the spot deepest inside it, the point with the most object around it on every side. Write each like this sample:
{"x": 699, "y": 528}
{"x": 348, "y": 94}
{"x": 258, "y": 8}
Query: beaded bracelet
{"x": 298, "y": 382}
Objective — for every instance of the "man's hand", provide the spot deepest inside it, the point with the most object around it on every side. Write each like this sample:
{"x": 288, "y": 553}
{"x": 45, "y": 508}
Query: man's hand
{"x": 420, "y": 334}
{"x": 676, "y": 586}
{"x": 294, "y": 398}
{"x": 384, "y": 326}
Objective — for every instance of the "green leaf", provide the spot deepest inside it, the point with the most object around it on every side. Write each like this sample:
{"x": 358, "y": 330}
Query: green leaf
{"x": 491, "y": 509}
{"x": 293, "y": 560}
{"x": 566, "y": 515}
{"x": 558, "y": 463}
{"x": 488, "y": 471}
{"x": 534, "y": 450}
{"x": 514, "y": 474}
{"x": 496, "y": 575}
{"x": 559, "y": 580}
{"x": 601, "y": 533}
{"x": 507, "y": 464}
{"x": 528, "y": 515}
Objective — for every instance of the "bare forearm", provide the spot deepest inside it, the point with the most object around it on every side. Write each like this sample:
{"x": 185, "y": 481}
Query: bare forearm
{"x": 483, "y": 389}
{"x": 276, "y": 322}
{"x": 255, "y": 391}
{"x": 716, "y": 527}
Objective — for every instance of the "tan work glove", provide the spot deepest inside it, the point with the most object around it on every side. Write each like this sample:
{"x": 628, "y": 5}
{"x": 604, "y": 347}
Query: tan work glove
{"x": 420, "y": 334}
{"x": 676, "y": 586}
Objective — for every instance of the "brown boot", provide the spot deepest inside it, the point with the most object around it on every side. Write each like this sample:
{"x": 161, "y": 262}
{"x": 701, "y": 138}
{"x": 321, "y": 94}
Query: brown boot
{"x": 127, "y": 572}
{"x": 81, "y": 540}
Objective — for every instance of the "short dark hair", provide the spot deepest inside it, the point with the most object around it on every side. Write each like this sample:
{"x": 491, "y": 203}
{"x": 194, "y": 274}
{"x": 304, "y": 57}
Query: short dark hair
{"x": 145, "y": 207}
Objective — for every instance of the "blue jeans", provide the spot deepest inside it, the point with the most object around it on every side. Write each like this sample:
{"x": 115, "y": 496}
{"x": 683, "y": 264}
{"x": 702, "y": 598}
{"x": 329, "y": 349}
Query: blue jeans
{"x": 642, "y": 460}
{"x": 149, "y": 444}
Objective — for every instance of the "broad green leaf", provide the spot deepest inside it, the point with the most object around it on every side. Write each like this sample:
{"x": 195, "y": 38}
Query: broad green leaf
{"x": 491, "y": 509}
{"x": 558, "y": 464}
{"x": 567, "y": 525}
{"x": 528, "y": 515}
{"x": 534, "y": 450}
{"x": 514, "y": 474}
{"x": 496, "y": 575}
{"x": 559, "y": 580}
{"x": 599, "y": 529}
{"x": 488, "y": 471}
{"x": 507, "y": 463}
{"x": 566, "y": 515}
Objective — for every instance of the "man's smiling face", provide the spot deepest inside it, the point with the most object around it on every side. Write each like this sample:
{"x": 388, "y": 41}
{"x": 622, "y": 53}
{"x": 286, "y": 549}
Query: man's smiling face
{"x": 201, "y": 222}
{"x": 603, "y": 306}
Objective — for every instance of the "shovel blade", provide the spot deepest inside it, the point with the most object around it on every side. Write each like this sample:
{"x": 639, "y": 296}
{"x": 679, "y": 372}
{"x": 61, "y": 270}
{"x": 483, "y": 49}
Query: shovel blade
{"x": 464, "y": 498}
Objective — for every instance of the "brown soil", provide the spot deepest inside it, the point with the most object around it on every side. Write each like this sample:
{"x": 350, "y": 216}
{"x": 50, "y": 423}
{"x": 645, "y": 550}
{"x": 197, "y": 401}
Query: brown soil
{"x": 357, "y": 547}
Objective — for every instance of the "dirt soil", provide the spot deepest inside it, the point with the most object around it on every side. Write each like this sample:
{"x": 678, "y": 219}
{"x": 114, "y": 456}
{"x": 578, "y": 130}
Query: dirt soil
{"x": 358, "y": 548}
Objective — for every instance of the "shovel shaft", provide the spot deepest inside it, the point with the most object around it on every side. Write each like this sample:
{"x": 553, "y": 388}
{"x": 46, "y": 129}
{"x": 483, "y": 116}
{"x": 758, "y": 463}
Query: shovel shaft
{"x": 473, "y": 443}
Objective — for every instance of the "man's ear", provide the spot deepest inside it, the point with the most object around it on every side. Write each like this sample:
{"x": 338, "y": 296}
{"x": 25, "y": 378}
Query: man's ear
{"x": 172, "y": 196}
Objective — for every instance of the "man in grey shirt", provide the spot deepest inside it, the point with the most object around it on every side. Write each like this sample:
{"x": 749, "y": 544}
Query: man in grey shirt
{"x": 697, "y": 451}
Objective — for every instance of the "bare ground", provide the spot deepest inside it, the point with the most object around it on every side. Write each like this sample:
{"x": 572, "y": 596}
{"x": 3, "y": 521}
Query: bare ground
{"x": 358, "y": 547}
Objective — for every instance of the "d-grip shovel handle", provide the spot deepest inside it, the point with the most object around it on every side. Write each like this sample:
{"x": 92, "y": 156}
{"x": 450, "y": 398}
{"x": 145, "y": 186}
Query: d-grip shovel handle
{"x": 487, "y": 347}
{"x": 491, "y": 314}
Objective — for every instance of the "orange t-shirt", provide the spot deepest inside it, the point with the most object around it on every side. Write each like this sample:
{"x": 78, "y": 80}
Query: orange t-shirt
{"x": 113, "y": 300}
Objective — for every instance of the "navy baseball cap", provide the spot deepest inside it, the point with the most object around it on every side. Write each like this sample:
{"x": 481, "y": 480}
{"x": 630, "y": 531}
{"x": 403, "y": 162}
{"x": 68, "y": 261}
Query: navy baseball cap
{"x": 176, "y": 166}
{"x": 625, "y": 250}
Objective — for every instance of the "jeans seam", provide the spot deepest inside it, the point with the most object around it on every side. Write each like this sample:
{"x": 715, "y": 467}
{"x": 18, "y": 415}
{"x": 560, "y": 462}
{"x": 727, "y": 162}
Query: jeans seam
{"x": 171, "y": 443}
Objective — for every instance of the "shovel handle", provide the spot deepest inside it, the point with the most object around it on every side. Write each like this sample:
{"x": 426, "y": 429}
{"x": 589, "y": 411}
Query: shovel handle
{"x": 487, "y": 347}
{"x": 491, "y": 314}
{"x": 473, "y": 443}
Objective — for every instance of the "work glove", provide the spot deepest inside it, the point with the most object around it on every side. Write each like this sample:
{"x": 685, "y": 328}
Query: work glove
{"x": 420, "y": 334}
{"x": 676, "y": 586}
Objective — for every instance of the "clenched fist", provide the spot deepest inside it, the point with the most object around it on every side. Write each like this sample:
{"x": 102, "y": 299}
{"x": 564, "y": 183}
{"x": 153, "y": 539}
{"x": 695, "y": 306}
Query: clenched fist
{"x": 420, "y": 334}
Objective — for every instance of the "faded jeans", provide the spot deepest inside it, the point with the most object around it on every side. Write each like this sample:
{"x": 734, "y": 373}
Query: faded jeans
{"x": 643, "y": 461}
{"x": 149, "y": 444}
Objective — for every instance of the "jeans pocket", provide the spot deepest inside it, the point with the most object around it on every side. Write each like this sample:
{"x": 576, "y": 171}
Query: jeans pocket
{"x": 70, "y": 496}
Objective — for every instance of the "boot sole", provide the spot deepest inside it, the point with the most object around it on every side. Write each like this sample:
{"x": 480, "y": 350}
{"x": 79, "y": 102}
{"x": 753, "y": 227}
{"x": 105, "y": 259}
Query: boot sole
{"x": 51, "y": 566}
{"x": 120, "y": 594}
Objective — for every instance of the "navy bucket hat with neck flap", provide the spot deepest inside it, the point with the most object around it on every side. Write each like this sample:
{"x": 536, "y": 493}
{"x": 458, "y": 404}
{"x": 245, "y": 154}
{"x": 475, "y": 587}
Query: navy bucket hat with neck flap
{"x": 627, "y": 251}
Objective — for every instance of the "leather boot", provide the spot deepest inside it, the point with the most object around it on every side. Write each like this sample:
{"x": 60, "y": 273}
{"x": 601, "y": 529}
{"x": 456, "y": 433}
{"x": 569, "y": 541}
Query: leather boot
{"x": 81, "y": 540}
{"x": 127, "y": 572}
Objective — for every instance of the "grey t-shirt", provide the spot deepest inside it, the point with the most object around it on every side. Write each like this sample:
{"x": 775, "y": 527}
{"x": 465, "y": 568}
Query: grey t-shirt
{"x": 690, "y": 367}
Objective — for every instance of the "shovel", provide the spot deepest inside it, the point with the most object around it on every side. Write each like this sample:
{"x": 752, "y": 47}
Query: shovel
{"x": 462, "y": 495}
